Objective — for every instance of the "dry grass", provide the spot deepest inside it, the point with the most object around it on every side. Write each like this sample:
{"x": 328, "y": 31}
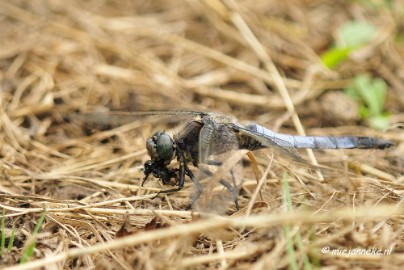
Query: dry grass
{"x": 256, "y": 60}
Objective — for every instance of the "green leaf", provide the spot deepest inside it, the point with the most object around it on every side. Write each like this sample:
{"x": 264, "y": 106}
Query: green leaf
{"x": 356, "y": 33}
{"x": 364, "y": 112}
{"x": 399, "y": 38}
{"x": 380, "y": 122}
{"x": 334, "y": 56}
{"x": 380, "y": 91}
{"x": 362, "y": 85}
{"x": 353, "y": 35}
{"x": 371, "y": 92}
{"x": 352, "y": 93}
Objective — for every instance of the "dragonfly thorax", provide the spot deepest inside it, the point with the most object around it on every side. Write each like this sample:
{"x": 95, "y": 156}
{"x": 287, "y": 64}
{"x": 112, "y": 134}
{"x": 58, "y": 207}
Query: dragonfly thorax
{"x": 161, "y": 147}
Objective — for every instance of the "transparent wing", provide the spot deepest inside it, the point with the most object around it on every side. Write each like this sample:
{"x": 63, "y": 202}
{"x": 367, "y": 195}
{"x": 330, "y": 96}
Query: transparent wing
{"x": 220, "y": 170}
{"x": 143, "y": 113}
{"x": 105, "y": 118}
{"x": 278, "y": 146}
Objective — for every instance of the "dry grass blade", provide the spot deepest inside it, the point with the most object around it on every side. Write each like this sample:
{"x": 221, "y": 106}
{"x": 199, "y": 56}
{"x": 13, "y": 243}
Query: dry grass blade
{"x": 215, "y": 223}
{"x": 66, "y": 65}
{"x": 271, "y": 68}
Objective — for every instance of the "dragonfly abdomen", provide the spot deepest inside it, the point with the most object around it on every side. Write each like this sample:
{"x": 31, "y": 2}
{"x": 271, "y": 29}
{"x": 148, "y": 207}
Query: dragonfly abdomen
{"x": 323, "y": 142}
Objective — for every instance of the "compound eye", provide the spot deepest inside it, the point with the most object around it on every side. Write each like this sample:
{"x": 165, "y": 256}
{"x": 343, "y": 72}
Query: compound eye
{"x": 165, "y": 147}
{"x": 151, "y": 148}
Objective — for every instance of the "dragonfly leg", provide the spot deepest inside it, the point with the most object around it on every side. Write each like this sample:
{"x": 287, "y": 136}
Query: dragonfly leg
{"x": 226, "y": 184}
{"x": 198, "y": 188}
{"x": 196, "y": 183}
{"x": 254, "y": 164}
{"x": 214, "y": 162}
{"x": 147, "y": 171}
{"x": 160, "y": 171}
{"x": 232, "y": 190}
{"x": 183, "y": 170}
{"x": 196, "y": 196}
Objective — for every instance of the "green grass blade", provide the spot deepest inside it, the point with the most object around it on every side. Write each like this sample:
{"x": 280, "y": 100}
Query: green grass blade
{"x": 286, "y": 229}
{"x": 289, "y": 240}
{"x": 11, "y": 241}
{"x": 286, "y": 192}
{"x": 290, "y": 248}
{"x": 30, "y": 249}
{"x": 306, "y": 261}
{"x": 3, "y": 232}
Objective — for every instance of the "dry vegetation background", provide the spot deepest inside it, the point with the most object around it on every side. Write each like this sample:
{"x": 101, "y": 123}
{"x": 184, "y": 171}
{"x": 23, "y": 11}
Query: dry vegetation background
{"x": 256, "y": 60}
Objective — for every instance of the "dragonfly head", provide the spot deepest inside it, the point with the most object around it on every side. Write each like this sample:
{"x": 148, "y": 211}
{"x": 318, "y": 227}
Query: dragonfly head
{"x": 161, "y": 147}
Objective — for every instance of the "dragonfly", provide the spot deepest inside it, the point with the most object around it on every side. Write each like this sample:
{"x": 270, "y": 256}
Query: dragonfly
{"x": 206, "y": 140}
